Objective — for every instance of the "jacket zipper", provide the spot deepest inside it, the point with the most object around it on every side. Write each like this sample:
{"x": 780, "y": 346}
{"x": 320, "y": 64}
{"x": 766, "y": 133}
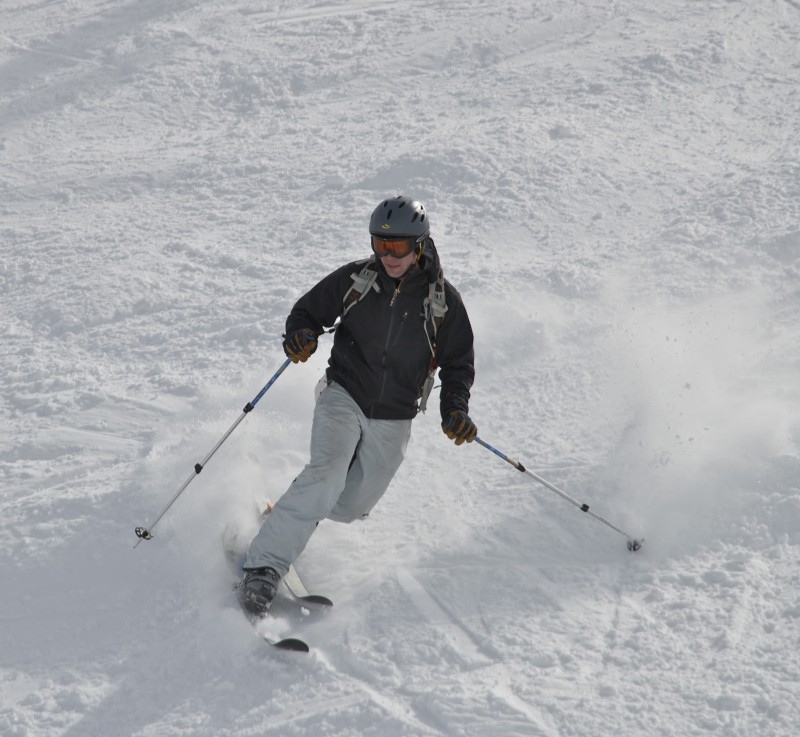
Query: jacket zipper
{"x": 388, "y": 341}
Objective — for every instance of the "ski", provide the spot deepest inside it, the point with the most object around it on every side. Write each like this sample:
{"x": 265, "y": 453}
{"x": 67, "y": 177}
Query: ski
{"x": 235, "y": 556}
{"x": 289, "y": 643}
{"x": 300, "y": 592}
{"x": 292, "y": 644}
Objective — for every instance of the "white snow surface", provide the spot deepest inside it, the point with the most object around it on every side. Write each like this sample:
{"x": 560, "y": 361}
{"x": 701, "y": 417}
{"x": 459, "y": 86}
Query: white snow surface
{"x": 613, "y": 186}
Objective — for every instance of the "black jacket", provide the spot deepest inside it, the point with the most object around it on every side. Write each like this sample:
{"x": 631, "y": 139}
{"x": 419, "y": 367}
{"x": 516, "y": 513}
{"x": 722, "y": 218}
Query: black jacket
{"x": 380, "y": 351}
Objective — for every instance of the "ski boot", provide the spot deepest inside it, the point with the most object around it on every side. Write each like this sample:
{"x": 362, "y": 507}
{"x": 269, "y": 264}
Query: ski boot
{"x": 258, "y": 589}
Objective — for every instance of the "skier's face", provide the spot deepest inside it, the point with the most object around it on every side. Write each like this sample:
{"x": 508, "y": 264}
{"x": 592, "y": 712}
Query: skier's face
{"x": 397, "y": 267}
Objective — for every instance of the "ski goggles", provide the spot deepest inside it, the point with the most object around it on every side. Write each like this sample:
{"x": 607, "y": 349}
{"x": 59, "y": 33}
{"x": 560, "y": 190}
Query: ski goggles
{"x": 397, "y": 247}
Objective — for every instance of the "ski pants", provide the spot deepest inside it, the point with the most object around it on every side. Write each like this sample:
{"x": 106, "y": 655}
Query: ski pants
{"x": 353, "y": 460}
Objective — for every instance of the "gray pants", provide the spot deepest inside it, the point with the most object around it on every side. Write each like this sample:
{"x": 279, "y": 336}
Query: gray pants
{"x": 353, "y": 459}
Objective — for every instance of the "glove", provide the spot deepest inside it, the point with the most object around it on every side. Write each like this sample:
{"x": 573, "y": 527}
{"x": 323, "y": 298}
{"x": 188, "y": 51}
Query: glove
{"x": 458, "y": 426}
{"x": 300, "y": 344}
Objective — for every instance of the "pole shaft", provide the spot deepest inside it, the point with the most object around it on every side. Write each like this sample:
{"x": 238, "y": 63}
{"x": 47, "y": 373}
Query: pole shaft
{"x": 144, "y": 533}
{"x": 258, "y": 396}
{"x": 583, "y": 507}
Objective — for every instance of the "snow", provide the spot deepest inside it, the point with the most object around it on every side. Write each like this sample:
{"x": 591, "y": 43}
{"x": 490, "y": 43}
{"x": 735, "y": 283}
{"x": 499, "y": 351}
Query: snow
{"x": 614, "y": 187}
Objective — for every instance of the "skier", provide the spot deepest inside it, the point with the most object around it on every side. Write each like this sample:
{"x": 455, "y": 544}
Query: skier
{"x": 399, "y": 320}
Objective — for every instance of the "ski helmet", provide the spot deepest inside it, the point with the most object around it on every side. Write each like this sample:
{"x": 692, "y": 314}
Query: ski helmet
{"x": 400, "y": 217}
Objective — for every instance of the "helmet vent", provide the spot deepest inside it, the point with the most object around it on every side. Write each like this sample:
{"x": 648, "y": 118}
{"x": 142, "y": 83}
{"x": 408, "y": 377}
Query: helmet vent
{"x": 403, "y": 217}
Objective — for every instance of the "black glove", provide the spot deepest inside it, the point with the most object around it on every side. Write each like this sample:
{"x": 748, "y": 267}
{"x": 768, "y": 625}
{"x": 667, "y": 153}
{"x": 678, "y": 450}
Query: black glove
{"x": 300, "y": 344}
{"x": 458, "y": 426}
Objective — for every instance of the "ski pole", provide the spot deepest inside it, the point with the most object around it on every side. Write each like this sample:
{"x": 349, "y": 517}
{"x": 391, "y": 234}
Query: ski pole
{"x": 633, "y": 543}
{"x": 145, "y": 533}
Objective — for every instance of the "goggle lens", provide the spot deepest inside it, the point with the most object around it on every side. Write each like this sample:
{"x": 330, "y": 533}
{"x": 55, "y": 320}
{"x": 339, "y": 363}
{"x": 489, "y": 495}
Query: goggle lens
{"x": 397, "y": 247}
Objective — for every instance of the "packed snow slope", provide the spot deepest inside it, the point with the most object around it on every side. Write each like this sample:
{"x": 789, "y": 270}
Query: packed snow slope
{"x": 614, "y": 187}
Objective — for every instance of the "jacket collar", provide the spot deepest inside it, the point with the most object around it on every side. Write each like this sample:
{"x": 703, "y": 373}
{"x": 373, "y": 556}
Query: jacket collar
{"x": 413, "y": 279}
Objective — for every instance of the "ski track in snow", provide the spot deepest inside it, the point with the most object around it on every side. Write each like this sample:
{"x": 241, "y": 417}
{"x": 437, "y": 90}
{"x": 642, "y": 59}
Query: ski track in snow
{"x": 614, "y": 189}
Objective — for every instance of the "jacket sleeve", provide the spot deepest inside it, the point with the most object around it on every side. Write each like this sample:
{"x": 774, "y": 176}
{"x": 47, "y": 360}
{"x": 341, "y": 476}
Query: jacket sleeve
{"x": 319, "y": 308}
{"x": 455, "y": 355}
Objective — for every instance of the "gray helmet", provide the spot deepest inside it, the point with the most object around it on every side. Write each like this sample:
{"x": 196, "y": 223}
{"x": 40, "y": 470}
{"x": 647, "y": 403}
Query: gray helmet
{"x": 400, "y": 217}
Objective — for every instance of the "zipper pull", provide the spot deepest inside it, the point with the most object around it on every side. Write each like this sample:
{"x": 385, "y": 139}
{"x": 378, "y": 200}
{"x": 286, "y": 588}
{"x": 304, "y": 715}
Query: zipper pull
{"x": 394, "y": 296}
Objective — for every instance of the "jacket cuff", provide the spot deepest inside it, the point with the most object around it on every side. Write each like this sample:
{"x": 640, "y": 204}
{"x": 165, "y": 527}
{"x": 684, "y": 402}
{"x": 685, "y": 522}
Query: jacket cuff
{"x": 452, "y": 402}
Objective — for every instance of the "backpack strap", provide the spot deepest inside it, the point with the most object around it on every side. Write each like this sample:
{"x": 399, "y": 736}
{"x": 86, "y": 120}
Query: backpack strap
{"x": 363, "y": 281}
{"x": 435, "y": 307}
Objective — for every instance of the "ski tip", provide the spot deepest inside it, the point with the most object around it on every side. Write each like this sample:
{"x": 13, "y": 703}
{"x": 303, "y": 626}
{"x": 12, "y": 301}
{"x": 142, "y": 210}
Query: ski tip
{"x": 316, "y": 599}
{"x": 635, "y": 544}
{"x": 290, "y": 643}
